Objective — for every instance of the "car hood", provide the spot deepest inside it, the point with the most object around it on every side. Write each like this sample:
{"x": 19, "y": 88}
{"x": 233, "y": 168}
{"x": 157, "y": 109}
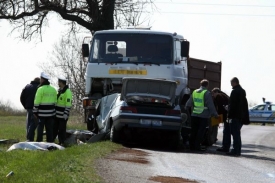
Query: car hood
{"x": 154, "y": 88}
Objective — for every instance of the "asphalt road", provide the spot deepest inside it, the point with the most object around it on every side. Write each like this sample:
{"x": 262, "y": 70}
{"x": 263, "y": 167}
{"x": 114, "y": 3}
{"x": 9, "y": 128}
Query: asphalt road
{"x": 256, "y": 164}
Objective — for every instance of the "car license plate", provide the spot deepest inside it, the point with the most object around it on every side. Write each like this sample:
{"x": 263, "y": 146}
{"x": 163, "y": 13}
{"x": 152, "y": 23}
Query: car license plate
{"x": 156, "y": 122}
{"x": 128, "y": 72}
{"x": 151, "y": 122}
{"x": 145, "y": 121}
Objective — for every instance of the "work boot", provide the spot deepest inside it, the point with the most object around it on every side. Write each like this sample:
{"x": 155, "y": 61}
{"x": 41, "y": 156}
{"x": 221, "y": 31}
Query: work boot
{"x": 232, "y": 153}
{"x": 200, "y": 149}
{"x": 221, "y": 149}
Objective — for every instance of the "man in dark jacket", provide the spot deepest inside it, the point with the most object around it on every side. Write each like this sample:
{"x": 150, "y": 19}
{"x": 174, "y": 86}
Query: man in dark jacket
{"x": 237, "y": 112}
{"x": 27, "y": 99}
{"x": 221, "y": 100}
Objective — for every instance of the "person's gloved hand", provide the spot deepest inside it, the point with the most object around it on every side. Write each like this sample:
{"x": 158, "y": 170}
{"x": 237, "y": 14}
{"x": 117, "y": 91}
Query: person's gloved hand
{"x": 65, "y": 116}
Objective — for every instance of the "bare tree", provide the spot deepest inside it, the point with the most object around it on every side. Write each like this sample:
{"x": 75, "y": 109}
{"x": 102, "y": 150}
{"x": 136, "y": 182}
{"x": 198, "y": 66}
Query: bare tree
{"x": 133, "y": 13}
{"x": 66, "y": 60}
{"x": 8, "y": 109}
{"x": 31, "y": 16}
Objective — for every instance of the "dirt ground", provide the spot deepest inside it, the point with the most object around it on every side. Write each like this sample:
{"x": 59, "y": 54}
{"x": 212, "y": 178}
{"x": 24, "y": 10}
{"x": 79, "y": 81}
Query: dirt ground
{"x": 131, "y": 165}
{"x": 164, "y": 179}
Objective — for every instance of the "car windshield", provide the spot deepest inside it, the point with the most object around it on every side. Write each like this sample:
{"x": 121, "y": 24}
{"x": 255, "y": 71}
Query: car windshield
{"x": 132, "y": 48}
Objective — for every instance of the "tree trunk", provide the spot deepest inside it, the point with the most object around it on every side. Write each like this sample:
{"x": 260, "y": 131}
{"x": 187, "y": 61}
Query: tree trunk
{"x": 106, "y": 19}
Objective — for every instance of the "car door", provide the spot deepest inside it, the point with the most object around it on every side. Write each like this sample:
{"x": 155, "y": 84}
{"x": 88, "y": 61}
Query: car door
{"x": 271, "y": 113}
{"x": 105, "y": 110}
{"x": 267, "y": 112}
{"x": 180, "y": 68}
{"x": 257, "y": 113}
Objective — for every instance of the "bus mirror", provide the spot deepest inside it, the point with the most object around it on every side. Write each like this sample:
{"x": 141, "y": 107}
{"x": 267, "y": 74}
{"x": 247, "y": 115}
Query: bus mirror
{"x": 85, "y": 50}
{"x": 185, "y": 48}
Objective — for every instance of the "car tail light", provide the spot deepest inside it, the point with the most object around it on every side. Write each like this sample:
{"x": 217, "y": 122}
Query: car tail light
{"x": 127, "y": 109}
{"x": 173, "y": 112}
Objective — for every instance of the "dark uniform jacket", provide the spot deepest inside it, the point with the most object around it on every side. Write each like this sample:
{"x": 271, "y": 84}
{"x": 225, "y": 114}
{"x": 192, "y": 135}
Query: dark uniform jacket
{"x": 238, "y": 106}
{"x": 28, "y": 94}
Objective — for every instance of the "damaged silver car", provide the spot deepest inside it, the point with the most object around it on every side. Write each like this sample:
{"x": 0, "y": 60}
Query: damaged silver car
{"x": 144, "y": 107}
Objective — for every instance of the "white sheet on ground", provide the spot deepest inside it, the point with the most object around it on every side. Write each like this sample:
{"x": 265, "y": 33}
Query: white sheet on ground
{"x": 44, "y": 146}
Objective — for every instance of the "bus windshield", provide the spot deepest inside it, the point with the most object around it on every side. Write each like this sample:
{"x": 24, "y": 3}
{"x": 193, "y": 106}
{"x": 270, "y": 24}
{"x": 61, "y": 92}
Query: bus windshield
{"x": 132, "y": 48}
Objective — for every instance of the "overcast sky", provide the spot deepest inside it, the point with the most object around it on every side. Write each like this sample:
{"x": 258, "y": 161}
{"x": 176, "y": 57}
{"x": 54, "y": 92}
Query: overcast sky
{"x": 240, "y": 33}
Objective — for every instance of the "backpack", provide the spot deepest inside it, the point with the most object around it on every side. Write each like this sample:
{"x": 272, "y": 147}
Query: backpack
{"x": 245, "y": 119}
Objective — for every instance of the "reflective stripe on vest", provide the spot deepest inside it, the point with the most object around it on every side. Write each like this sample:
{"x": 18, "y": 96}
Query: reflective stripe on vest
{"x": 198, "y": 99}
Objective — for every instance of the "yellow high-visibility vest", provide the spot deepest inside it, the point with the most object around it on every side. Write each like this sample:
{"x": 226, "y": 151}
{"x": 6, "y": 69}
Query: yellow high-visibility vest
{"x": 44, "y": 101}
{"x": 64, "y": 103}
{"x": 198, "y": 100}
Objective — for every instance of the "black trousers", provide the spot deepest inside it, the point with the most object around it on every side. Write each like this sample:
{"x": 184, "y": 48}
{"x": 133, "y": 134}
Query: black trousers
{"x": 236, "y": 126}
{"x": 59, "y": 129}
{"x": 46, "y": 122}
{"x": 198, "y": 129}
{"x": 31, "y": 125}
{"x": 226, "y": 140}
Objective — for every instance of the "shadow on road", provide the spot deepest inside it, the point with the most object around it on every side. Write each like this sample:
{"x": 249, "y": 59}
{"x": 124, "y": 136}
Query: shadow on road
{"x": 258, "y": 157}
{"x": 251, "y": 151}
{"x": 259, "y": 147}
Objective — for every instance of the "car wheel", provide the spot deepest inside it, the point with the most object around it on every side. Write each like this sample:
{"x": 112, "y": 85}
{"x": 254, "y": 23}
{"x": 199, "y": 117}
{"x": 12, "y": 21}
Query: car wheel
{"x": 177, "y": 141}
{"x": 90, "y": 125}
{"x": 185, "y": 134}
{"x": 114, "y": 135}
{"x": 211, "y": 135}
{"x": 86, "y": 113}
{"x": 187, "y": 122}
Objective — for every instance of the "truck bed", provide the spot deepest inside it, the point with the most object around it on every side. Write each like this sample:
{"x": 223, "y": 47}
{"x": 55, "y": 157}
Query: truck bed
{"x": 202, "y": 69}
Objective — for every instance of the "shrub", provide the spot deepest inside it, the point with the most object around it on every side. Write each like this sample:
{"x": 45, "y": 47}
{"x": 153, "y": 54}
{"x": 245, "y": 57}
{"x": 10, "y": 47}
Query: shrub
{"x": 7, "y": 109}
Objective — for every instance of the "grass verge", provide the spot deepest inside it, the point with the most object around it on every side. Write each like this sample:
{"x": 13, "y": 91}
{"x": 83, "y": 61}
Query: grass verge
{"x": 74, "y": 164}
